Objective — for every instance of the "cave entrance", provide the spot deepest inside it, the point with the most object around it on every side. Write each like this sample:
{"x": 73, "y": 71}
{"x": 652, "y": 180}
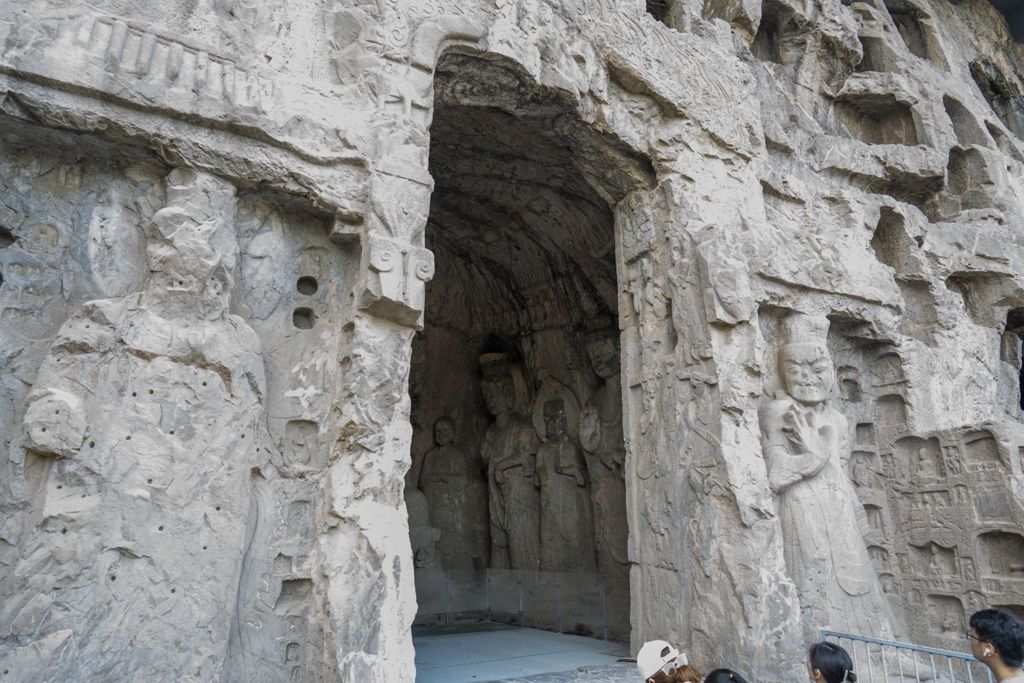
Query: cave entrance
{"x": 516, "y": 494}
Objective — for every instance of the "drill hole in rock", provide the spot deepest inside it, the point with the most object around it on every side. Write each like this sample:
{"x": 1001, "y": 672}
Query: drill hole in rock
{"x": 307, "y": 285}
{"x": 304, "y": 318}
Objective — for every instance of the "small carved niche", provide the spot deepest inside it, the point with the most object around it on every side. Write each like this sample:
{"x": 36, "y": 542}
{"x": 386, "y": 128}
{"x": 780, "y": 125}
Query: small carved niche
{"x": 1002, "y": 95}
{"x": 877, "y": 57}
{"x": 876, "y": 519}
{"x": 980, "y": 448}
{"x": 923, "y": 457}
{"x": 660, "y": 9}
{"x": 907, "y": 18}
{"x": 779, "y": 39}
{"x": 865, "y": 435}
{"x": 968, "y": 179}
{"x": 300, "y": 442}
{"x": 300, "y": 520}
{"x": 877, "y": 119}
{"x": 991, "y": 503}
{"x": 891, "y": 410}
{"x": 1002, "y": 553}
{"x": 947, "y": 617}
{"x": 887, "y": 369}
{"x": 849, "y": 384}
{"x": 863, "y": 468}
{"x": 934, "y": 560}
{"x": 968, "y": 130}
{"x": 891, "y": 244}
{"x": 295, "y": 595}
{"x": 879, "y": 558}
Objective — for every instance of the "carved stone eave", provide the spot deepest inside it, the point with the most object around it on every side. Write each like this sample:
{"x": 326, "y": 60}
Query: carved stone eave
{"x": 98, "y": 74}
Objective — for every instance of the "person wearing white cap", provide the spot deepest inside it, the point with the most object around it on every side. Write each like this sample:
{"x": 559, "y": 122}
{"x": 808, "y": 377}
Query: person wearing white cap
{"x": 659, "y": 662}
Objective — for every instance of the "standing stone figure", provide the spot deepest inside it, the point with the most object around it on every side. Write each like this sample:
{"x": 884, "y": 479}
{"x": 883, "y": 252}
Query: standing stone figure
{"x": 566, "y": 529}
{"x": 509, "y": 449}
{"x": 445, "y": 480}
{"x": 805, "y": 442}
{"x": 146, "y": 418}
{"x": 605, "y": 451}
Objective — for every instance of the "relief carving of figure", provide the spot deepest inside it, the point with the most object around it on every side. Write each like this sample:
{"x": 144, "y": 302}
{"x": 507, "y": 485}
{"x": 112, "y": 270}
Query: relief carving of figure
{"x": 605, "y": 451}
{"x": 805, "y": 442}
{"x": 113, "y": 411}
{"x": 509, "y": 450}
{"x": 445, "y": 481}
{"x": 566, "y": 526}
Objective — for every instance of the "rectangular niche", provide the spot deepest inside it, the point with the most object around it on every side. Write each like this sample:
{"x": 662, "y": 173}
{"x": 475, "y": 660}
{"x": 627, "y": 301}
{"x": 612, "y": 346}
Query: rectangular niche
{"x": 1002, "y": 554}
{"x": 877, "y": 120}
{"x": 933, "y": 560}
{"x": 980, "y": 448}
{"x": 946, "y": 616}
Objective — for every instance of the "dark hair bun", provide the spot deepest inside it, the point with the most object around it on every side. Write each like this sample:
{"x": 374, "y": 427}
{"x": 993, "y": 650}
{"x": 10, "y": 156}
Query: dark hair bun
{"x": 851, "y": 677}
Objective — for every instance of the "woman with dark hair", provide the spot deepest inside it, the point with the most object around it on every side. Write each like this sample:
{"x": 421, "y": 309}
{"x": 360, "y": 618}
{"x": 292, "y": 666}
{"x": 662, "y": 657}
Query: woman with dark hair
{"x": 997, "y": 640}
{"x": 724, "y": 676}
{"x": 829, "y": 663}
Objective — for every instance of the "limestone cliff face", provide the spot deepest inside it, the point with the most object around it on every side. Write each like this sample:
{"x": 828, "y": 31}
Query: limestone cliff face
{"x": 251, "y": 252}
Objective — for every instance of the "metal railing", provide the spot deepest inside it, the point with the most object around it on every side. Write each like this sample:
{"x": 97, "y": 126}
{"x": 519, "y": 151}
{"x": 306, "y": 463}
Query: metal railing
{"x": 556, "y": 601}
{"x": 884, "y": 661}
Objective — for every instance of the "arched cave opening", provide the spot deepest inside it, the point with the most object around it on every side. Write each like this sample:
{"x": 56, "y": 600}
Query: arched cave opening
{"x": 516, "y": 493}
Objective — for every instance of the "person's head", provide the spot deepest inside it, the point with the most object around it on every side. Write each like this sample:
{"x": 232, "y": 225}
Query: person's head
{"x": 724, "y": 676}
{"x": 997, "y": 636}
{"x": 829, "y": 663}
{"x": 659, "y": 662}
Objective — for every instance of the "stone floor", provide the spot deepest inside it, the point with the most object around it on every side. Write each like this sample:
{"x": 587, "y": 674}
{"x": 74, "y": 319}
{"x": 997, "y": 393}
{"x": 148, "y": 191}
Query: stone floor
{"x": 494, "y": 652}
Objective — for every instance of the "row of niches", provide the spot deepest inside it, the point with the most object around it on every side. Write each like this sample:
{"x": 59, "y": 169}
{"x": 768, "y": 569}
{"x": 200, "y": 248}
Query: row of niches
{"x": 987, "y": 569}
{"x": 1000, "y": 554}
{"x": 917, "y": 460}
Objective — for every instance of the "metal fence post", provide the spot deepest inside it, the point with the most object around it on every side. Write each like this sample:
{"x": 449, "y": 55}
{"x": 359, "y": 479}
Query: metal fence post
{"x": 558, "y": 606}
{"x": 522, "y": 612}
{"x": 487, "y": 582}
{"x": 604, "y": 611}
{"x": 447, "y": 598}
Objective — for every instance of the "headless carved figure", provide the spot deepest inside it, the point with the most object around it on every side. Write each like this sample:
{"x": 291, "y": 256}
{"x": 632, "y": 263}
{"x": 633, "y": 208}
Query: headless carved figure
{"x": 566, "y": 530}
{"x": 509, "y": 449}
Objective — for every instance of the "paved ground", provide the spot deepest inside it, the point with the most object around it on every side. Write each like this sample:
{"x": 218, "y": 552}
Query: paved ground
{"x": 475, "y": 653}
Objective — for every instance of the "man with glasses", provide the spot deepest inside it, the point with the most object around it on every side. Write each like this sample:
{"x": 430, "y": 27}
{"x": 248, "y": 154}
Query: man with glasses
{"x": 997, "y": 641}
